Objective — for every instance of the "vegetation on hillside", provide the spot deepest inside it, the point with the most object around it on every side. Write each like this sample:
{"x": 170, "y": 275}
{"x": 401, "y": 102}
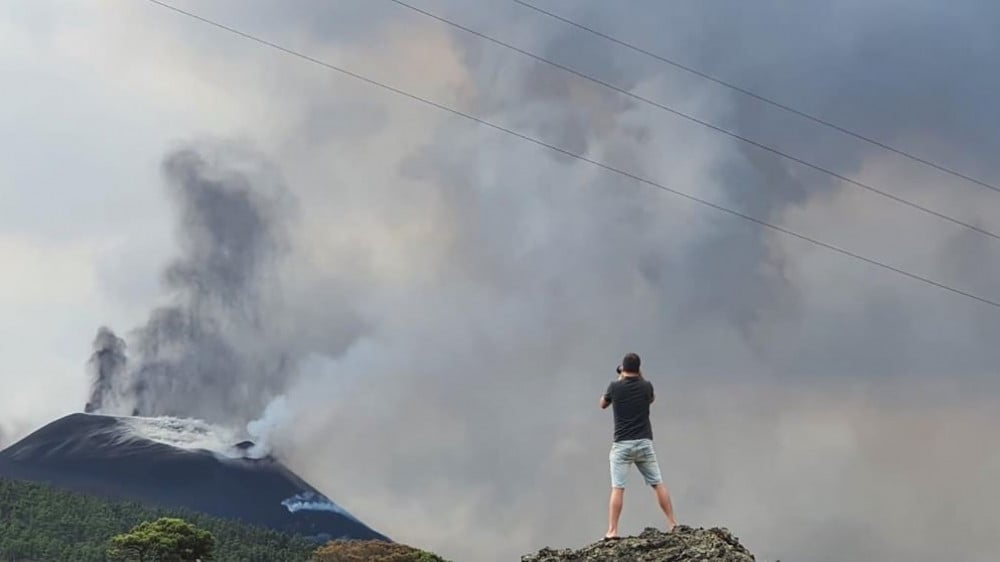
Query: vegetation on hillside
{"x": 167, "y": 539}
{"x": 40, "y": 522}
{"x": 372, "y": 551}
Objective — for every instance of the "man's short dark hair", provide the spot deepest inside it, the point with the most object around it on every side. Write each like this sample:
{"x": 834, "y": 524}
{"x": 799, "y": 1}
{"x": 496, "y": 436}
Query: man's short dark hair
{"x": 631, "y": 362}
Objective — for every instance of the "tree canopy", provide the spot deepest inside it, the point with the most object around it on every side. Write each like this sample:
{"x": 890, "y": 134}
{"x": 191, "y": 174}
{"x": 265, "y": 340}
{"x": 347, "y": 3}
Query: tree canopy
{"x": 167, "y": 539}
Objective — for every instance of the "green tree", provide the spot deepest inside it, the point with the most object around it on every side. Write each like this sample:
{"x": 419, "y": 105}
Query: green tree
{"x": 167, "y": 539}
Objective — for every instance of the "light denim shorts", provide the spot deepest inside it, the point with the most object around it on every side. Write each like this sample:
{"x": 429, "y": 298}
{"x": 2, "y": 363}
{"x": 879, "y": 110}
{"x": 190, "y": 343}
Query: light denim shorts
{"x": 638, "y": 451}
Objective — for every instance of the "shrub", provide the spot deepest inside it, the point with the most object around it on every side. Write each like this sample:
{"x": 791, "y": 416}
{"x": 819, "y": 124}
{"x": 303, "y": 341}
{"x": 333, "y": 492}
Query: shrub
{"x": 372, "y": 551}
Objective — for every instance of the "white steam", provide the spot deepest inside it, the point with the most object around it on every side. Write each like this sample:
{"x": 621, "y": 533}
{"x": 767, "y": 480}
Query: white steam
{"x": 263, "y": 431}
{"x": 190, "y": 434}
{"x": 311, "y": 501}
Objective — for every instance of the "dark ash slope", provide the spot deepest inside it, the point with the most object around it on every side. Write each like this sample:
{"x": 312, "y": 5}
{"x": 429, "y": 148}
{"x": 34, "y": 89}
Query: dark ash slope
{"x": 86, "y": 453}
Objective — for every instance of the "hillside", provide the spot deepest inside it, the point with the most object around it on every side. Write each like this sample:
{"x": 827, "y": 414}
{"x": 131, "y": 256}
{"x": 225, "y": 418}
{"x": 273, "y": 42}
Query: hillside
{"x": 177, "y": 464}
{"x": 39, "y": 522}
{"x": 684, "y": 544}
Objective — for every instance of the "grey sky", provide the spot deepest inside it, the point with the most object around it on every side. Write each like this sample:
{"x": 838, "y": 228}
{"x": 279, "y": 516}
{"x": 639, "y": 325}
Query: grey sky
{"x": 456, "y": 299}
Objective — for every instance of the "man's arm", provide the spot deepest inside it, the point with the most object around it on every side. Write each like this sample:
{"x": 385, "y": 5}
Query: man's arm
{"x": 652, "y": 394}
{"x": 606, "y": 397}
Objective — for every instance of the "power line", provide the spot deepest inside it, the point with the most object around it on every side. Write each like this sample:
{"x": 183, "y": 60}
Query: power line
{"x": 702, "y": 122}
{"x": 580, "y": 157}
{"x": 761, "y": 98}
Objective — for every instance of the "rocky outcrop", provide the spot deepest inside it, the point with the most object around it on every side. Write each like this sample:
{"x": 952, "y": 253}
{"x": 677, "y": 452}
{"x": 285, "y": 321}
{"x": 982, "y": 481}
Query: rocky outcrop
{"x": 684, "y": 544}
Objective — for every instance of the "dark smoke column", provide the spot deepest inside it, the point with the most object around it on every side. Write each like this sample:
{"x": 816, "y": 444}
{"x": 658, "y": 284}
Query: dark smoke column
{"x": 107, "y": 369}
{"x": 210, "y": 352}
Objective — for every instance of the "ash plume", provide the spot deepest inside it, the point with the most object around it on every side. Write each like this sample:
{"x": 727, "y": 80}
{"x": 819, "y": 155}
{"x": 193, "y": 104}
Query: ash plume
{"x": 210, "y": 353}
{"x": 107, "y": 367}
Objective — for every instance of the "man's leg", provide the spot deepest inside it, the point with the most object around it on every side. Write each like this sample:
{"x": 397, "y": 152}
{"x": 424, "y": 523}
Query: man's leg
{"x": 620, "y": 463}
{"x": 649, "y": 467}
{"x": 614, "y": 511}
{"x": 663, "y": 497}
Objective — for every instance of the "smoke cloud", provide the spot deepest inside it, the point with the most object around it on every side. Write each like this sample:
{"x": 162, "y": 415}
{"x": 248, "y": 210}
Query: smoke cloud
{"x": 107, "y": 366}
{"x": 212, "y": 353}
{"x": 503, "y": 284}
{"x": 262, "y": 430}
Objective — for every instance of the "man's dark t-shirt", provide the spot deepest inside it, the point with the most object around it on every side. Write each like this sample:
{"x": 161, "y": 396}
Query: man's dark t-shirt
{"x": 630, "y": 398}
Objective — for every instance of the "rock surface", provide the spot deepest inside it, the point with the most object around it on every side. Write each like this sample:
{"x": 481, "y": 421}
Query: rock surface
{"x": 684, "y": 544}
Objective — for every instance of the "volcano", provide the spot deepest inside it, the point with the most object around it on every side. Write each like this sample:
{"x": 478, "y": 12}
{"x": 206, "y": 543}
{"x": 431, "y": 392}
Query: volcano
{"x": 177, "y": 463}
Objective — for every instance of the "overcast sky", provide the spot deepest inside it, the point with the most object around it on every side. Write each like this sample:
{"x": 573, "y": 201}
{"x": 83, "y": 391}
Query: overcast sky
{"x": 448, "y": 302}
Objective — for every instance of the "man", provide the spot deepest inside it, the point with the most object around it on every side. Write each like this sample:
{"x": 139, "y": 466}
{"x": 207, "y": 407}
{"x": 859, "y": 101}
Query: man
{"x": 630, "y": 397}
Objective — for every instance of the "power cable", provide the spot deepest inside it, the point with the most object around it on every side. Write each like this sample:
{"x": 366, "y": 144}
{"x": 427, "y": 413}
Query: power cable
{"x": 701, "y": 122}
{"x": 762, "y": 98}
